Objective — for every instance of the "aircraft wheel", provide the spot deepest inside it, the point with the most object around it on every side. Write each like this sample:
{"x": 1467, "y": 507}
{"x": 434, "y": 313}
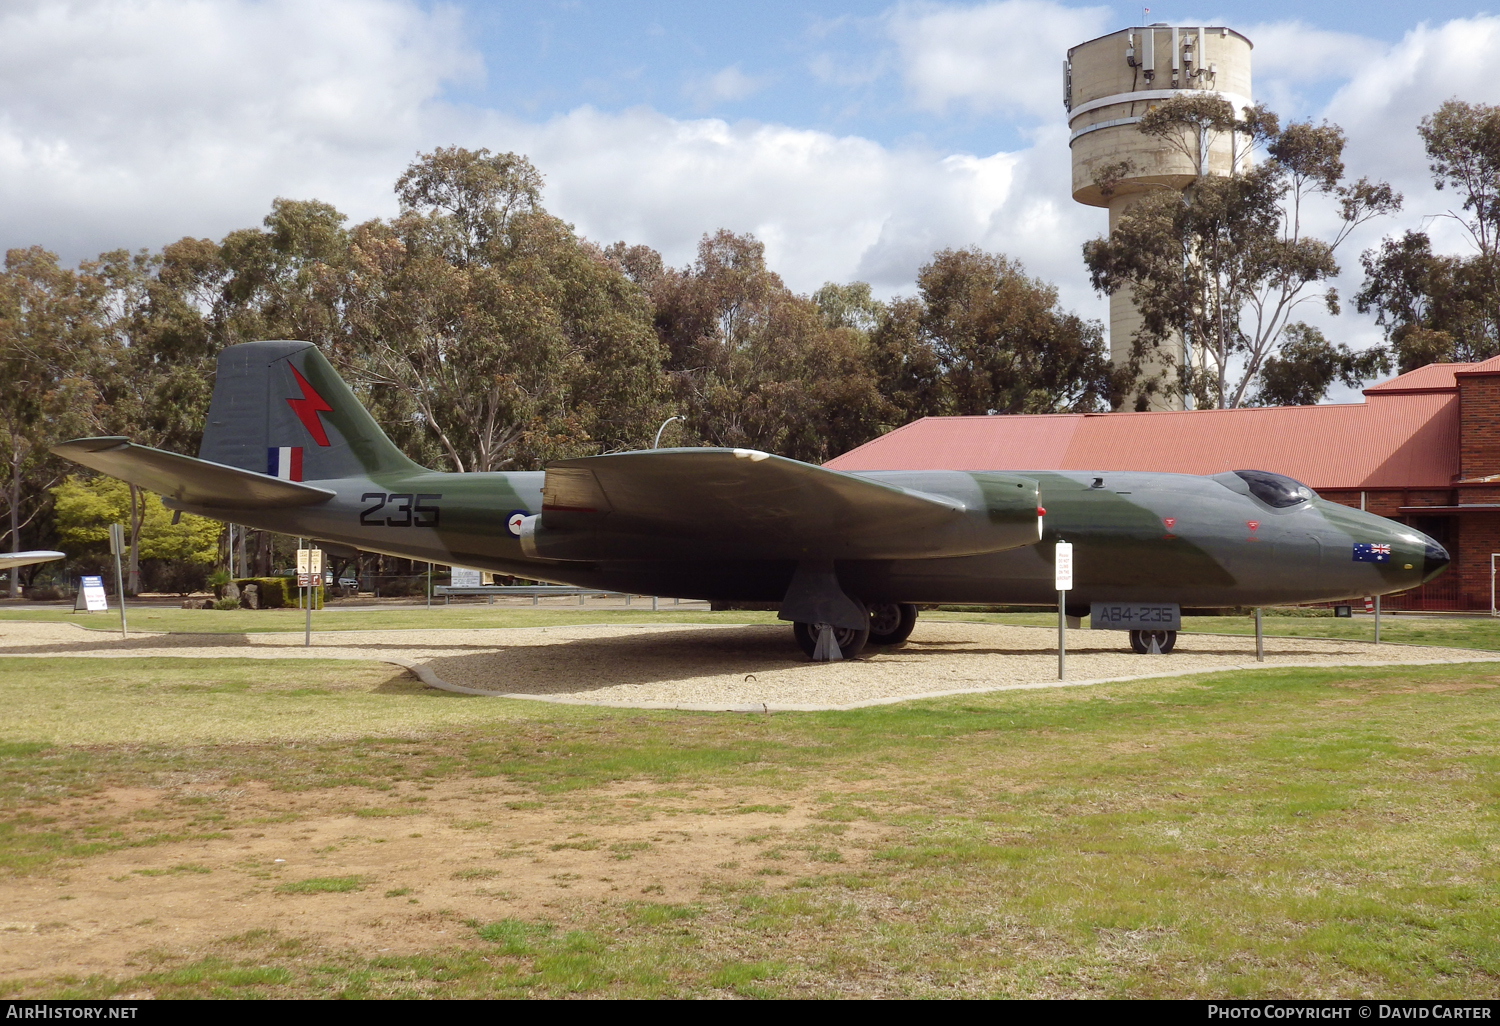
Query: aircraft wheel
{"x": 1140, "y": 641}
{"x": 891, "y": 623}
{"x": 851, "y": 642}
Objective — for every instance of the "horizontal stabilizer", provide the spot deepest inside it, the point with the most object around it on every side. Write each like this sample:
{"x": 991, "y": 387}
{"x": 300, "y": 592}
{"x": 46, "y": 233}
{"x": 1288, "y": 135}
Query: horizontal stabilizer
{"x": 746, "y": 504}
{"x": 10, "y": 559}
{"x": 189, "y": 481}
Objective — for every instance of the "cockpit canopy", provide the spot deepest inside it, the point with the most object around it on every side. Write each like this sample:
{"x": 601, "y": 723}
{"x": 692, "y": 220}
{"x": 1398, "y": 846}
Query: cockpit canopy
{"x": 1275, "y": 490}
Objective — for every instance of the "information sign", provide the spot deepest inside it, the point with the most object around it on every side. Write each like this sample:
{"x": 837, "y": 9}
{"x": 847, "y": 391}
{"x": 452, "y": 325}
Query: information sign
{"x": 1064, "y": 566}
{"x": 310, "y": 561}
{"x": 464, "y": 578}
{"x": 94, "y": 596}
{"x": 1135, "y": 616}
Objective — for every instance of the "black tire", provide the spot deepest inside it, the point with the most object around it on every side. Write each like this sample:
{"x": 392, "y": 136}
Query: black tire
{"x": 851, "y": 642}
{"x": 891, "y": 623}
{"x": 1140, "y": 641}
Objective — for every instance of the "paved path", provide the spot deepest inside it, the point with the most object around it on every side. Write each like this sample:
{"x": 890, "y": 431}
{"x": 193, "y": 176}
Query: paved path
{"x": 730, "y": 667}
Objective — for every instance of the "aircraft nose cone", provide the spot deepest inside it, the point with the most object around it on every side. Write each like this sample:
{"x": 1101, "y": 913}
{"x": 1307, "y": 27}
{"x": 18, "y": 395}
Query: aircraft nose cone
{"x": 1435, "y": 560}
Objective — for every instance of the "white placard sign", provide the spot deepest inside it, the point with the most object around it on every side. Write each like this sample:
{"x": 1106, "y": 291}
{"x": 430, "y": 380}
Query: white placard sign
{"x": 1064, "y": 566}
{"x": 93, "y": 595}
{"x": 464, "y": 578}
{"x": 310, "y": 561}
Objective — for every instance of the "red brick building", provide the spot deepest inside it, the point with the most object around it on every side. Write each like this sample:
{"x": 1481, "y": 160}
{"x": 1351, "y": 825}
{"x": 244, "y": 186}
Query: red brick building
{"x": 1423, "y": 448}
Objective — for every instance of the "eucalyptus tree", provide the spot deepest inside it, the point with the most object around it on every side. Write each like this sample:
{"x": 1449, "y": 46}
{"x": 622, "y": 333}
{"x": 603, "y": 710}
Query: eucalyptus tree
{"x": 495, "y": 332}
{"x": 49, "y": 331}
{"x": 1445, "y": 307}
{"x": 983, "y": 337}
{"x": 753, "y": 364}
{"x": 1228, "y": 261}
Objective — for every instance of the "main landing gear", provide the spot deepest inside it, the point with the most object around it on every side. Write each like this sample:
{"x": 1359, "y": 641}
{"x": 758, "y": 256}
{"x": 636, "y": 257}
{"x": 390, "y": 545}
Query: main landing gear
{"x": 1143, "y": 641}
{"x": 891, "y": 623}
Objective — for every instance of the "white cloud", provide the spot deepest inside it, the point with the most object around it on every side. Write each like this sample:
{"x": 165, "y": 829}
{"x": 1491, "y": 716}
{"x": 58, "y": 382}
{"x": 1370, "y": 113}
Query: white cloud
{"x": 827, "y": 207}
{"x": 1385, "y": 100}
{"x": 1295, "y": 64}
{"x": 1293, "y": 51}
{"x": 132, "y": 123}
{"x": 997, "y": 57}
{"x": 727, "y": 85}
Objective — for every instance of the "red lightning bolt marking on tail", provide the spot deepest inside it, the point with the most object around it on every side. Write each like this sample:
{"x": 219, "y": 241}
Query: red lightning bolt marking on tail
{"x": 308, "y": 407}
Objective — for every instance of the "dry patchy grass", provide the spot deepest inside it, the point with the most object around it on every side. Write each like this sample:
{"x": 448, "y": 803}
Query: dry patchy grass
{"x": 1238, "y": 834}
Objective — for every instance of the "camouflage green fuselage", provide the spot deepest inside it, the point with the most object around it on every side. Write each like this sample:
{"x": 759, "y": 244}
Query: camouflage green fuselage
{"x": 1196, "y": 541}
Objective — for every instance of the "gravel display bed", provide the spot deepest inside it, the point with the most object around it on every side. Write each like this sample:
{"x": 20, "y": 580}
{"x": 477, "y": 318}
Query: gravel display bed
{"x": 698, "y": 666}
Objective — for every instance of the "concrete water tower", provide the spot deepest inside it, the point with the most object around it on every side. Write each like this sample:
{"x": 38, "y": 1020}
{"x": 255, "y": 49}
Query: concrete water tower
{"x": 1109, "y": 83}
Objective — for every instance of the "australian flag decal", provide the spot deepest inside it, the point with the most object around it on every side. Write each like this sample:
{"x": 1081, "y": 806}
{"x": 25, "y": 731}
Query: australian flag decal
{"x": 1371, "y": 552}
{"x": 286, "y": 463}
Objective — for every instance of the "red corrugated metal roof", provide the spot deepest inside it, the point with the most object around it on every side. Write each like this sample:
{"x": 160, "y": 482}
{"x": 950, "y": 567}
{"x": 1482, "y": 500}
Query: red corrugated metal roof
{"x": 1490, "y": 366}
{"x": 1402, "y": 440}
{"x": 1435, "y": 377}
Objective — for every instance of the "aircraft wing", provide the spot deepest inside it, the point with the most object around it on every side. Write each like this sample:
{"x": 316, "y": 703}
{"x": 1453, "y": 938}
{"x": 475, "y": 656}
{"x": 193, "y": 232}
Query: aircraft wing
{"x": 187, "y": 480}
{"x": 746, "y": 504}
{"x": 10, "y": 559}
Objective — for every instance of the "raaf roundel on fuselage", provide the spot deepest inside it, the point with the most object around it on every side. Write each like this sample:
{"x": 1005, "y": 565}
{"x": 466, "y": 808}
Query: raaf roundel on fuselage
{"x": 289, "y": 448}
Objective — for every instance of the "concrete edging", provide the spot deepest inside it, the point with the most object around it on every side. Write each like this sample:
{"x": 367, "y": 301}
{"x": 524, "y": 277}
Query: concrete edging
{"x": 434, "y": 681}
{"x": 425, "y": 674}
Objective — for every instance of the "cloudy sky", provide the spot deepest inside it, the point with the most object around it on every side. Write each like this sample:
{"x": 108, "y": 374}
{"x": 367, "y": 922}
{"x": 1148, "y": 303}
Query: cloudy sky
{"x": 854, "y": 138}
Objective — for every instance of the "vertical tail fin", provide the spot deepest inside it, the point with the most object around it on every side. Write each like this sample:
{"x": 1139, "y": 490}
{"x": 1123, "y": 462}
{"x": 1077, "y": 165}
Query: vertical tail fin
{"x": 280, "y": 408}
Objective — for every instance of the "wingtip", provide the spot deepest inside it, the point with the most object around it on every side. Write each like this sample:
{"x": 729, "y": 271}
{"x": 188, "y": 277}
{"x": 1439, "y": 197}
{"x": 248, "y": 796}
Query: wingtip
{"x": 98, "y": 444}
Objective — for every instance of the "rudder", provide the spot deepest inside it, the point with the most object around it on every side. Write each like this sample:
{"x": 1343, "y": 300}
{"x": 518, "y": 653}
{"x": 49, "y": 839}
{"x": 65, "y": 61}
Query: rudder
{"x": 279, "y": 408}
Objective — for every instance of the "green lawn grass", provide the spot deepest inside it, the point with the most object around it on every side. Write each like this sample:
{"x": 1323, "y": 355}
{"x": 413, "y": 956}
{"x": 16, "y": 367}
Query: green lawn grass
{"x": 1481, "y": 632}
{"x": 1449, "y": 631}
{"x": 1283, "y": 832}
{"x": 246, "y": 621}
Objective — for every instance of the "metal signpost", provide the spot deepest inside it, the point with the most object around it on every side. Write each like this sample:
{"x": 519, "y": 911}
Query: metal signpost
{"x": 116, "y": 545}
{"x": 1493, "y": 610}
{"x": 1063, "y": 569}
{"x": 1260, "y": 641}
{"x": 1377, "y": 619}
{"x": 309, "y": 575}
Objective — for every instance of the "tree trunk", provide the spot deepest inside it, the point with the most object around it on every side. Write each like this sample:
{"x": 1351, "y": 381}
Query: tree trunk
{"x": 15, "y": 524}
{"x": 137, "y": 515}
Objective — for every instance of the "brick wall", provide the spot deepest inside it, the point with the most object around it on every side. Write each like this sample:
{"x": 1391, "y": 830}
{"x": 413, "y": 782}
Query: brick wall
{"x": 1479, "y": 428}
{"x": 1479, "y": 535}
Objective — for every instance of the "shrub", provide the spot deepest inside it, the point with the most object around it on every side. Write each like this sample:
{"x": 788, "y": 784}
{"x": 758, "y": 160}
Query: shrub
{"x": 272, "y": 591}
{"x": 226, "y": 603}
{"x": 399, "y": 587}
{"x": 174, "y": 575}
{"x": 279, "y": 592}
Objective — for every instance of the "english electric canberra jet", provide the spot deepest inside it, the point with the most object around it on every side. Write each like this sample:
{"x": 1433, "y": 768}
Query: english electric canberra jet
{"x": 847, "y": 556}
